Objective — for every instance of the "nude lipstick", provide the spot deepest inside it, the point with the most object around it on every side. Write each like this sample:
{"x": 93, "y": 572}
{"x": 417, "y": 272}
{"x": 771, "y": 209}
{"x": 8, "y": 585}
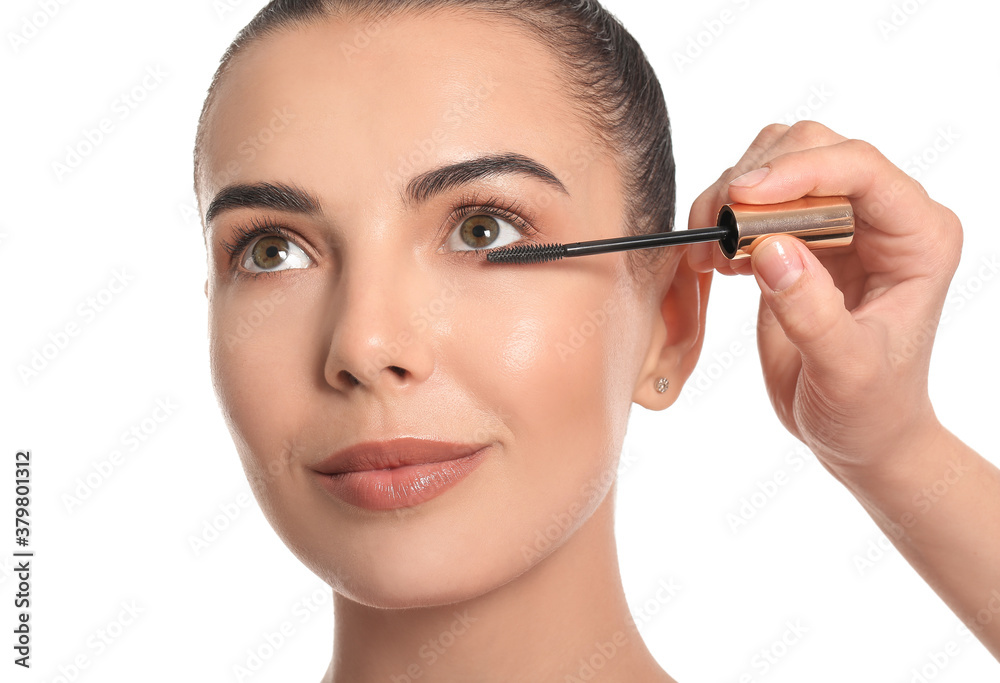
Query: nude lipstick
{"x": 387, "y": 475}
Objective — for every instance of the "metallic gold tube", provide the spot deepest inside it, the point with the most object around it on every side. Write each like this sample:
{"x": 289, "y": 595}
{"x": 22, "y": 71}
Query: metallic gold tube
{"x": 821, "y": 222}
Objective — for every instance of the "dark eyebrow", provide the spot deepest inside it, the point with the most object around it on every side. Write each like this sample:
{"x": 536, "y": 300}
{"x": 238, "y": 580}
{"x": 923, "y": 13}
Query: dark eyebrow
{"x": 421, "y": 188}
{"x": 428, "y": 184}
{"x": 262, "y": 196}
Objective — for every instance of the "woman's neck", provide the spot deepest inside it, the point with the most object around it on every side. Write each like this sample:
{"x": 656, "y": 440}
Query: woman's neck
{"x": 566, "y": 619}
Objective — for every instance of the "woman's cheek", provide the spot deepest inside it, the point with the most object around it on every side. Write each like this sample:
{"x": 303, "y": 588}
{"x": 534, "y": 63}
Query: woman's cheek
{"x": 538, "y": 361}
{"x": 258, "y": 354}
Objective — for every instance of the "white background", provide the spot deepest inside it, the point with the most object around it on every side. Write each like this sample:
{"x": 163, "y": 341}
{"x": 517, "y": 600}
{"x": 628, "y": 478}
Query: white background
{"x": 129, "y": 207}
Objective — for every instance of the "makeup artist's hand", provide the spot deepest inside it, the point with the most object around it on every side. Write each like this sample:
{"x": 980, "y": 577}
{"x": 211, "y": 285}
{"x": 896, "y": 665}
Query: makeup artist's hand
{"x": 846, "y": 366}
{"x": 845, "y": 343}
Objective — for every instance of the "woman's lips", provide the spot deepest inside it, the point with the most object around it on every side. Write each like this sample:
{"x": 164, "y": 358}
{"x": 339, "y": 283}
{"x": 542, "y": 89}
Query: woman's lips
{"x": 386, "y": 475}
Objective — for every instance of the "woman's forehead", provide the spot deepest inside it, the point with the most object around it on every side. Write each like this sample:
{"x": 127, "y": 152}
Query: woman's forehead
{"x": 414, "y": 84}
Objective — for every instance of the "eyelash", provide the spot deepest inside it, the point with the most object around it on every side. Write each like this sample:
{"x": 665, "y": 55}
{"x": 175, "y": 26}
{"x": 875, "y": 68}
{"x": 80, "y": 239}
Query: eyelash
{"x": 510, "y": 211}
{"x": 467, "y": 205}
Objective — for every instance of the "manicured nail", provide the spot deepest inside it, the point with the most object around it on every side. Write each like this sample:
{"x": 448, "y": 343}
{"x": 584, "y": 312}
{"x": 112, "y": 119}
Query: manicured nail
{"x": 752, "y": 178}
{"x": 780, "y": 268}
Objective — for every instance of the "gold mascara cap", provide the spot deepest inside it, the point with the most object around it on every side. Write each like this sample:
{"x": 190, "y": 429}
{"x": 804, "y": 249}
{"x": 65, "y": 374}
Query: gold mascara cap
{"x": 822, "y": 222}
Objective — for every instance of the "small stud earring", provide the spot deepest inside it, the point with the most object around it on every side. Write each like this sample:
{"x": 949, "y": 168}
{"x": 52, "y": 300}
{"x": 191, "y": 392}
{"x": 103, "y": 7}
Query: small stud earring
{"x": 662, "y": 385}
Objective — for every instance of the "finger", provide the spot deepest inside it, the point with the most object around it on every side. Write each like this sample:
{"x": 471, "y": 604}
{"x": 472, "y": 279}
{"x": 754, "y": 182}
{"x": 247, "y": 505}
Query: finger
{"x": 808, "y": 306}
{"x": 706, "y": 207}
{"x": 781, "y": 363}
{"x": 925, "y": 236}
{"x": 773, "y": 140}
{"x": 706, "y": 256}
{"x": 726, "y": 266}
{"x": 803, "y": 135}
{"x": 699, "y": 257}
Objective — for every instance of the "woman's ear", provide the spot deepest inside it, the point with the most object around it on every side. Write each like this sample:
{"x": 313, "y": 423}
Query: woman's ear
{"x": 676, "y": 336}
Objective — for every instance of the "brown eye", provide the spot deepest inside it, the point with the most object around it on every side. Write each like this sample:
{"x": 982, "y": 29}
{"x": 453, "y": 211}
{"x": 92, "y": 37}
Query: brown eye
{"x": 269, "y": 252}
{"x": 273, "y": 253}
{"x": 479, "y": 232}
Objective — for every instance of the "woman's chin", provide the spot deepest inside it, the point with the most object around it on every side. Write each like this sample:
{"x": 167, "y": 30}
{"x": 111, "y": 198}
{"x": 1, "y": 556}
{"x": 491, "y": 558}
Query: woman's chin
{"x": 394, "y": 587}
{"x": 401, "y": 572}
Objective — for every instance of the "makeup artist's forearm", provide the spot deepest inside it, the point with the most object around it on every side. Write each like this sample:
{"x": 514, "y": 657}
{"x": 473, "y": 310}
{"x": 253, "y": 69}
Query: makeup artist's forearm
{"x": 944, "y": 517}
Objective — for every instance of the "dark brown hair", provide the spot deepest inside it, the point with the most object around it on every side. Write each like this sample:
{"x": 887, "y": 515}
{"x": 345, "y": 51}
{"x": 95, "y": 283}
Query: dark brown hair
{"x": 607, "y": 73}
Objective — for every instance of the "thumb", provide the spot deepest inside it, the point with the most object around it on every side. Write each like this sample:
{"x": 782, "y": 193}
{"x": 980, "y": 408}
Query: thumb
{"x": 807, "y": 305}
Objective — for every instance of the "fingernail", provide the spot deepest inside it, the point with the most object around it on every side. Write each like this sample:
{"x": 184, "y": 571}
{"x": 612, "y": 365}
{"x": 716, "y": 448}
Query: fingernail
{"x": 752, "y": 178}
{"x": 780, "y": 268}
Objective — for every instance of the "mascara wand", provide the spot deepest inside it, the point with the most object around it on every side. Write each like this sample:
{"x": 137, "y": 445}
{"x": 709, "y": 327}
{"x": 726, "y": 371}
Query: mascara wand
{"x": 821, "y": 222}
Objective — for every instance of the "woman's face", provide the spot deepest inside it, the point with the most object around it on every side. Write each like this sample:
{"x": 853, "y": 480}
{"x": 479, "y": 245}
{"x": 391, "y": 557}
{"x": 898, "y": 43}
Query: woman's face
{"x": 376, "y": 321}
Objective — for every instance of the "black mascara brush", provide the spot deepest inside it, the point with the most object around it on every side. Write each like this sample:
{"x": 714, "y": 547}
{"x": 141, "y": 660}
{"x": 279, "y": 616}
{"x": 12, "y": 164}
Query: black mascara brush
{"x": 821, "y": 222}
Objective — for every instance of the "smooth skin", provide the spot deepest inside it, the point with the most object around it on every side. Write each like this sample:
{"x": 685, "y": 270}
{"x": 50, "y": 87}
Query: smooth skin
{"x": 845, "y": 344}
{"x": 515, "y": 568}
{"x": 484, "y": 358}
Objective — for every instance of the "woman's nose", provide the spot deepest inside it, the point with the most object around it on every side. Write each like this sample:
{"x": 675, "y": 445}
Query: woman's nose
{"x": 378, "y": 337}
